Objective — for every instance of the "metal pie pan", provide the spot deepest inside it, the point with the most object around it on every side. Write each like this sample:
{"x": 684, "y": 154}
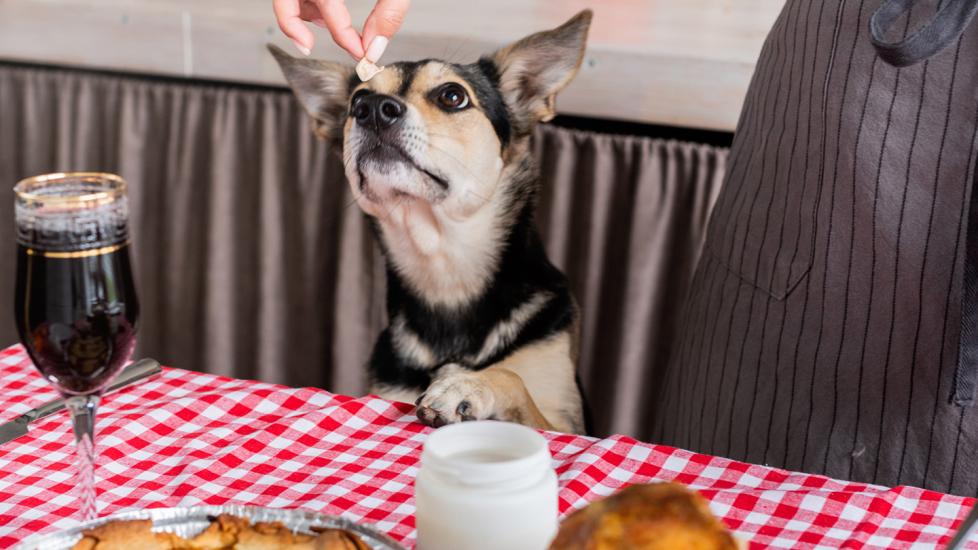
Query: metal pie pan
{"x": 189, "y": 521}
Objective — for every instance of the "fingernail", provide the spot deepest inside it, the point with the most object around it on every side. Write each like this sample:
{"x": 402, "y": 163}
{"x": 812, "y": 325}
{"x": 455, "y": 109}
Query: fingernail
{"x": 302, "y": 49}
{"x": 376, "y": 48}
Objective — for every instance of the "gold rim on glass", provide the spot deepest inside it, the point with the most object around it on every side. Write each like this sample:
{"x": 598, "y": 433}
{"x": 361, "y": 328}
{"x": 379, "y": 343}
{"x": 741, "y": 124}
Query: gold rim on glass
{"x": 26, "y": 188}
{"x": 74, "y": 254}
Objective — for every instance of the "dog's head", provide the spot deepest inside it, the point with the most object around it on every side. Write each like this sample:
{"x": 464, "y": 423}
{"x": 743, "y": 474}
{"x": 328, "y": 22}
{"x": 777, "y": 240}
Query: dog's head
{"x": 433, "y": 131}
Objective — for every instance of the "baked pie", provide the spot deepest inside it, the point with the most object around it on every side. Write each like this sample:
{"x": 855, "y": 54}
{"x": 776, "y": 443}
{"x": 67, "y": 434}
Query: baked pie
{"x": 226, "y": 532}
{"x": 659, "y": 516}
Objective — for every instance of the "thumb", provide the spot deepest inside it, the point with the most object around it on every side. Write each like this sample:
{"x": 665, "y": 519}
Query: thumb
{"x": 382, "y": 23}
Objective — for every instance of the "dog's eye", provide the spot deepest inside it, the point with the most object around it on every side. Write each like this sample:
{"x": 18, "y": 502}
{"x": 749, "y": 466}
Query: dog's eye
{"x": 452, "y": 97}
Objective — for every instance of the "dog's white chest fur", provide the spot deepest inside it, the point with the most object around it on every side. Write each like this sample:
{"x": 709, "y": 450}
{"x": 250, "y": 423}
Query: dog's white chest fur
{"x": 445, "y": 260}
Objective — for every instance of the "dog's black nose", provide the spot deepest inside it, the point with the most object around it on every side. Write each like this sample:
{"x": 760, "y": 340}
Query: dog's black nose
{"x": 378, "y": 111}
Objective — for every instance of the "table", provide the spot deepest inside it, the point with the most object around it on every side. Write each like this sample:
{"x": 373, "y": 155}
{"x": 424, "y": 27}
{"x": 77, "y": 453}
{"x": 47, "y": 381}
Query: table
{"x": 187, "y": 438}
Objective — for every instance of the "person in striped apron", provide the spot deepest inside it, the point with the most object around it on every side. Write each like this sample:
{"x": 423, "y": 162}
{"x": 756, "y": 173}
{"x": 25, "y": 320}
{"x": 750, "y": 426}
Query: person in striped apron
{"x": 831, "y": 322}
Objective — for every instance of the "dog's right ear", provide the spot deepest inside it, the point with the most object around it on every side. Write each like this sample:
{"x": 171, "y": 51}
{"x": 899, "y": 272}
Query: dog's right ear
{"x": 322, "y": 87}
{"x": 532, "y": 70}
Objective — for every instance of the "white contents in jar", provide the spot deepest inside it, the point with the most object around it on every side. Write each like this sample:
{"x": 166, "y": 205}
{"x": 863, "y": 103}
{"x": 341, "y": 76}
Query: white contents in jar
{"x": 486, "y": 486}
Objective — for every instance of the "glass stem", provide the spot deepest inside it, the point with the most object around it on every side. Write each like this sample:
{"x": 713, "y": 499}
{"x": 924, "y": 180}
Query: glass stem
{"x": 82, "y": 408}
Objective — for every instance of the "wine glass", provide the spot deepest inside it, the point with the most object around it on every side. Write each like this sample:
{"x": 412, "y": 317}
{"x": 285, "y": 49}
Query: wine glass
{"x": 75, "y": 304}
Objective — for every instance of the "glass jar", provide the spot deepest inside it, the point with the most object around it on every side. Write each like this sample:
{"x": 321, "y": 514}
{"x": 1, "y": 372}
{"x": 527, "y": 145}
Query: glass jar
{"x": 486, "y": 486}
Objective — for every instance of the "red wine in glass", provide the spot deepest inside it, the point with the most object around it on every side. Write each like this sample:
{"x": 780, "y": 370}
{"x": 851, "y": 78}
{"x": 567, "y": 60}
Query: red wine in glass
{"x": 75, "y": 302}
{"x": 77, "y": 316}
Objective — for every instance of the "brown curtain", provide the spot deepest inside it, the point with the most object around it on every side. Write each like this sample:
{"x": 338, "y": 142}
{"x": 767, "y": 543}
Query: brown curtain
{"x": 252, "y": 261}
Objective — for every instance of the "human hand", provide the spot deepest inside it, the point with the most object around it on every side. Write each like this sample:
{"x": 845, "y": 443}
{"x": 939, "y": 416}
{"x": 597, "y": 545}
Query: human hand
{"x": 381, "y": 24}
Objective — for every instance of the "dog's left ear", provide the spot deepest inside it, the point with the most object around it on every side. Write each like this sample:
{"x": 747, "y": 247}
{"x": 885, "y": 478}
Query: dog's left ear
{"x": 322, "y": 87}
{"x": 532, "y": 70}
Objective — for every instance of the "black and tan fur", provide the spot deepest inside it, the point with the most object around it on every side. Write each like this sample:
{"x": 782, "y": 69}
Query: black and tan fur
{"x": 482, "y": 325}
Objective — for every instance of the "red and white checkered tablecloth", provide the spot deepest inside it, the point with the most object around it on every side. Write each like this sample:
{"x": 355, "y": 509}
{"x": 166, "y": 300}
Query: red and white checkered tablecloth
{"x": 187, "y": 438}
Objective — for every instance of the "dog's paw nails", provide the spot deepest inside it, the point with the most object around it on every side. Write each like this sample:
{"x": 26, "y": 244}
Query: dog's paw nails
{"x": 429, "y": 416}
{"x": 417, "y": 402}
{"x": 459, "y": 396}
{"x": 464, "y": 411}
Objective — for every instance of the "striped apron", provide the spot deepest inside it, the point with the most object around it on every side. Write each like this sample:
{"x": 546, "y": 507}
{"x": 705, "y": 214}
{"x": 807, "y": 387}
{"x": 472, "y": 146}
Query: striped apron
{"x": 831, "y": 326}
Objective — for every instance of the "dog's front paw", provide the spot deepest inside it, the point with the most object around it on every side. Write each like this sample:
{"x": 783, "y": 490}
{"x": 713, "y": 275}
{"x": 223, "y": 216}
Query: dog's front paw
{"x": 456, "y": 396}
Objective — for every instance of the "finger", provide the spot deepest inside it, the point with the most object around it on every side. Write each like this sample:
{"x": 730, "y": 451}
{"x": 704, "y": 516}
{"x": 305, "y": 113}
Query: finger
{"x": 382, "y": 23}
{"x": 310, "y": 12}
{"x": 341, "y": 27}
{"x": 289, "y": 21}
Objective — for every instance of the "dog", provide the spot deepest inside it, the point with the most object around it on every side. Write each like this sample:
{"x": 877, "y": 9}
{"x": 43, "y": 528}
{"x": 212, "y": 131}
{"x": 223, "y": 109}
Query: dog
{"x": 437, "y": 154}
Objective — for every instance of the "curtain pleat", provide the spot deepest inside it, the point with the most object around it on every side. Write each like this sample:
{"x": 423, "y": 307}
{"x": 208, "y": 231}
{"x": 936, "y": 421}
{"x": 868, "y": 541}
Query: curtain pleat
{"x": 253, "y": 261}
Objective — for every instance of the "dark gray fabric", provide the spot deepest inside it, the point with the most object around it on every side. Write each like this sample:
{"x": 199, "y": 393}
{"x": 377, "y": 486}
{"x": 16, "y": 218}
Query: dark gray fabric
{"x": 943, "y": 28}
{"x": 822, "y": 329}
{"x": 252, "y": 261}
{"x": 966, "y": 373}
